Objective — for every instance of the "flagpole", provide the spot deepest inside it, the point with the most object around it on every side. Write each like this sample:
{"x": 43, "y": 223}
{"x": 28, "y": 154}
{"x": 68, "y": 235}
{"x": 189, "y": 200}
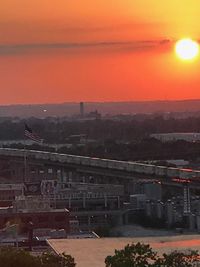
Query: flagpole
{"x": 28, "y": 132}
{"x": 25, "y": 157}
{"x": 25, "y": 163}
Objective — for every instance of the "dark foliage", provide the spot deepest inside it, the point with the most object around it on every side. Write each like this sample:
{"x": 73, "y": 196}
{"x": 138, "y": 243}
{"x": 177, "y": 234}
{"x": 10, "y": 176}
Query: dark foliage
{"x": 12, "y": 257}
{"x": 141, "y": 255}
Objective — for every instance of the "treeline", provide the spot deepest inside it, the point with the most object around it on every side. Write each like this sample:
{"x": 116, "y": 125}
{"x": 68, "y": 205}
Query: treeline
{"x": 122, "y": 140}
{"x": 58, "y": 130}
{"x": 146, "y": 149}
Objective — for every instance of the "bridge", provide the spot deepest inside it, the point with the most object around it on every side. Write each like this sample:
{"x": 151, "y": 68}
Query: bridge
{"x": 123, "y": 169}
{"x": 33, "y": 165}
{"x": 18, "y": 165}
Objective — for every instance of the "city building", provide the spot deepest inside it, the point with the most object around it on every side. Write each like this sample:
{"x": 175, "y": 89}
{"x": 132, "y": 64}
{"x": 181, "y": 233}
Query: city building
{"x": 35, "y": 210}
{"x": 8, "y": 192}
{"x": 169, "y": 137}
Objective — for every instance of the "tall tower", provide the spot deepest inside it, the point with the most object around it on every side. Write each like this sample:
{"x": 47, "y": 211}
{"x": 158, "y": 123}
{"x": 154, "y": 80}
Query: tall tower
{"x": 186, "y": 200}
{"x": 81, "y": 109}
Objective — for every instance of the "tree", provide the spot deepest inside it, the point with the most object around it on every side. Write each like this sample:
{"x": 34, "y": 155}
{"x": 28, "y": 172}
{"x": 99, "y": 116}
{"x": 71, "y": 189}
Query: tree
{"x": 13, "y": 257}
{"x": 51, "y": 260}
{"x": 141, "y": 255}
{"x": 134, "y": 255}
{"x": 179, "y": 259}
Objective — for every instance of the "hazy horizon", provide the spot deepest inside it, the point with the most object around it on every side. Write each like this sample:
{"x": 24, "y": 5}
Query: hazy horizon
{"x": 101, "y": 102}
{"x": 111, "y": 108}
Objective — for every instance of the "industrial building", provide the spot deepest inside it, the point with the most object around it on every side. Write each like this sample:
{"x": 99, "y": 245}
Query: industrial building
{"x": 35, "y": 210}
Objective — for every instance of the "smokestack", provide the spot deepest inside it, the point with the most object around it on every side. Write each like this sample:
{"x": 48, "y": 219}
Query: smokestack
{"x": 81, "y": 109}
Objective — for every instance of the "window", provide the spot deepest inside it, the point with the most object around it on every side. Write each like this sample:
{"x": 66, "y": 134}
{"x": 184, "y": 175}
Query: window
{"x": 50, "y": 171}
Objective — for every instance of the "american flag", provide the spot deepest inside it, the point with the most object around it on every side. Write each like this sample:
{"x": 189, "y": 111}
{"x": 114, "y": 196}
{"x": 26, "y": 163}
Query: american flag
{"x": 31, "y": 135}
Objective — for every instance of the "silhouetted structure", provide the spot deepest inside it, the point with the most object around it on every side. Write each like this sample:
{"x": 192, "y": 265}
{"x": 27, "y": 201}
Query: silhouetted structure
{"x": 82, "y": 109}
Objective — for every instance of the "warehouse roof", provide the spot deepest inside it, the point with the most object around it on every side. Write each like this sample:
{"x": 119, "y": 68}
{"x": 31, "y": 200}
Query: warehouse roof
{"x": 92, "y": 252}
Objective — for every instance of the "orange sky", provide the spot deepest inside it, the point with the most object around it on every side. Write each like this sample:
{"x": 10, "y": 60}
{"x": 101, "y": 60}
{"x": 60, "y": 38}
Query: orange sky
{"x": 57, "y": 51}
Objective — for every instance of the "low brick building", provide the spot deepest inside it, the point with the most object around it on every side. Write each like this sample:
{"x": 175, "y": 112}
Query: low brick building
{"x": 37, "y": 211}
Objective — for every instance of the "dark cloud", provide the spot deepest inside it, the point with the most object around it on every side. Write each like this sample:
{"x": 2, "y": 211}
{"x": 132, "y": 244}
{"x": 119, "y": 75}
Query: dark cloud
{"x": 130, "y": 45}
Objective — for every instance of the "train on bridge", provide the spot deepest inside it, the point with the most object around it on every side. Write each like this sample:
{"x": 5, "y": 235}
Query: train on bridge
{"x": 126, "y": 166}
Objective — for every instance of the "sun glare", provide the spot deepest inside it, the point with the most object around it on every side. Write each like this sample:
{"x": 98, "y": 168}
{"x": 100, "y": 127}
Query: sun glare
{"x": 187, "y": 49}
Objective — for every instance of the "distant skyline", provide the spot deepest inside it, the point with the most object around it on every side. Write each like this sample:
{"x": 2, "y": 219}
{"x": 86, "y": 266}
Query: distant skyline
{"x": 84, "y": 50}
{"x": 186, "y": 107}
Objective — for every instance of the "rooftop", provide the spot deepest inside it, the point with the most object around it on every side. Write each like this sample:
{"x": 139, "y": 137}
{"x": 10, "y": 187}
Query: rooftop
{"x": 92, "y": 252}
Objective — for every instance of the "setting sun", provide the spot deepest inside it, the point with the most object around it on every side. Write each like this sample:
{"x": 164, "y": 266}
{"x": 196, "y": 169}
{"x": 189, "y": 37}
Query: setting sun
{"x": 187, "y": 49}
